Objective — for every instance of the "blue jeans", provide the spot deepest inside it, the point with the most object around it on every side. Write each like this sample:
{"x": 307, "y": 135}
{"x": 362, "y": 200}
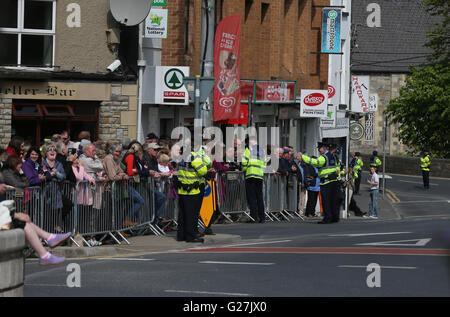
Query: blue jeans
{"x": 137, "y": 200}
{"x": 373, "y": 203}
{"x": 160, "y": 204}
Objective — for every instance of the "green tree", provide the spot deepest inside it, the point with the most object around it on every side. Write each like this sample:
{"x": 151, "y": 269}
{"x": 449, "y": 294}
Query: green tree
{"x": 422, "y": 110}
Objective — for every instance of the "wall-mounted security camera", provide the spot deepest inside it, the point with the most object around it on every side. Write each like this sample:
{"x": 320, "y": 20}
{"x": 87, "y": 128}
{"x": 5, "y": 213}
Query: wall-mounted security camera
{"x": 114, "y": 65}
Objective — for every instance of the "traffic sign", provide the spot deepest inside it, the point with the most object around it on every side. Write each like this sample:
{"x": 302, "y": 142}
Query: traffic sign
{"x": 206, "y": 86}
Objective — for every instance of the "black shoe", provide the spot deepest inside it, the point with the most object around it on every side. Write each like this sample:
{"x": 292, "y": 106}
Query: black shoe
{"x": 201, "y": 240}
{"x": 262, "y": 221}
{"x": 323, "y": 222}
{"x": 250, "y": 221}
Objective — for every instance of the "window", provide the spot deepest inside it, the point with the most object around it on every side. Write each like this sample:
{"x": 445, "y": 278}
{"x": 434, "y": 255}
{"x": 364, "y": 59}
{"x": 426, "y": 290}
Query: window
{"x": 27, "y": 32}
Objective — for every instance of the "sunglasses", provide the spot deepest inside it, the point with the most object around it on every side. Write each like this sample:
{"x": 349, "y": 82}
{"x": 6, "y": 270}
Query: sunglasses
{"x": 51, "y": 150}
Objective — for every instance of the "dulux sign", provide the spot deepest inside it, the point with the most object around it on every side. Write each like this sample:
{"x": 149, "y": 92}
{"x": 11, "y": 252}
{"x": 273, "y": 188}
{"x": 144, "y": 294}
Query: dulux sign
{"x": 313, "y": 103}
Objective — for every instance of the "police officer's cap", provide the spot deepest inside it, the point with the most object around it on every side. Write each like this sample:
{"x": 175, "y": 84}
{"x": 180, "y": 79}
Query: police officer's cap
{"x": 375, "y": 153}
{"x": 426, "y": 150}
{"x": 321, "y": 144}
{"x": 332, "y": 146}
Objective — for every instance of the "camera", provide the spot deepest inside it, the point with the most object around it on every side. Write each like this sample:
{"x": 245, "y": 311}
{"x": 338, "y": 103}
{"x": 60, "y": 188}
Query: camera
{"x": 114, "y": 65}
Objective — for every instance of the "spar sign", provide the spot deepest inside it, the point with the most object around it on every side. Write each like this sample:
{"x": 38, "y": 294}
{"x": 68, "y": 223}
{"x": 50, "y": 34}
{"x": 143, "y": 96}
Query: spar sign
{"x": 313, "y": 103}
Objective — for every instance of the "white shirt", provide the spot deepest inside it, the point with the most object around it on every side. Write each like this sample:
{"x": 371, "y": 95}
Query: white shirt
{"x": 374, "y": 179}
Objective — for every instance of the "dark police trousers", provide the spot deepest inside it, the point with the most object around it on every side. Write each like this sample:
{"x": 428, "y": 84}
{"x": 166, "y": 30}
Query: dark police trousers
{"x": 255, "y": 198}
{"x": 426, "y": 179}
{"x": 188, "y": 216}
{"x": 330, "y": 201}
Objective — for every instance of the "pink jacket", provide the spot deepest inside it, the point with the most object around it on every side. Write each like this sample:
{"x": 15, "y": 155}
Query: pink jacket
{"x": 84, "y": 196}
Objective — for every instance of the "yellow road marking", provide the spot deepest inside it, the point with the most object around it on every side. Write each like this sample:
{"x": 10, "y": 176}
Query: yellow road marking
{"x": 394, "y": 199}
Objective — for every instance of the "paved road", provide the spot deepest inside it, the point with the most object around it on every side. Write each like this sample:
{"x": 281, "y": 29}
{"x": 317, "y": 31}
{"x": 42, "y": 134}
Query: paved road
{"x": 297, "y": 259}
{"x": 409, "y": 245}
{"x": 411, "y": 200}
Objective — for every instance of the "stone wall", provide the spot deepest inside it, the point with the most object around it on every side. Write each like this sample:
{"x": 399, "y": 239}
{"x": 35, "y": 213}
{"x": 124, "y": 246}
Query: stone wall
{"x": 12, "y": 262}
{"x": 410, "y": 165}
{"x": 118, "y": 116}
{"x": 5, "y": 120}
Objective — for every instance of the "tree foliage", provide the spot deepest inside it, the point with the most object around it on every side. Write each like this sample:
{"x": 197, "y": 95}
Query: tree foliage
{"x": 422, "y": 110}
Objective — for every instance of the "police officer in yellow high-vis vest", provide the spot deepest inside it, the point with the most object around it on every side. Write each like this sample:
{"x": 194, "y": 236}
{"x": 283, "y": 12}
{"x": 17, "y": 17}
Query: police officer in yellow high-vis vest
{"x": 190, "y": 186}
{"x": 425, "y": 163}
{"x": 328, "y": 166}
{"x": 253, "y": 165}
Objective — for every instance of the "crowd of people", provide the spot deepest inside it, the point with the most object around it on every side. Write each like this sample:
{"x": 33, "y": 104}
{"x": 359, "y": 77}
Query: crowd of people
{"x": 59, "y": 158}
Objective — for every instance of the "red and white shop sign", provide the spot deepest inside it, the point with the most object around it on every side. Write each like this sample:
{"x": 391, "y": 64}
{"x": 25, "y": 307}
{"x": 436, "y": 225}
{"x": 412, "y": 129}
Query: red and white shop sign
{"x": 313, "y": 103}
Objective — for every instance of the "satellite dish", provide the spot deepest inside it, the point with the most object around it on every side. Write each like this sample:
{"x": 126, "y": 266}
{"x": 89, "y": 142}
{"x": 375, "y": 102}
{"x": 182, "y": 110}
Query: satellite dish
{"x": 130, "y": 12}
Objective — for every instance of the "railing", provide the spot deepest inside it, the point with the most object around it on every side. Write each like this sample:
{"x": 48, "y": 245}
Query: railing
{"x": 142, "y": 204}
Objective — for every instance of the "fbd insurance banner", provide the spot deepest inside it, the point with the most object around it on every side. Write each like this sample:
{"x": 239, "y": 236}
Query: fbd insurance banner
{"x": 227, "y": 93}
{"x": 331, "y": 30}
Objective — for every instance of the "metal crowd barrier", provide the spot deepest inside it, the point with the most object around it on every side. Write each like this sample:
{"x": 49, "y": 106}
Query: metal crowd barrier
{"x": 111, "y": 208}
{"x": 280, "y": 196}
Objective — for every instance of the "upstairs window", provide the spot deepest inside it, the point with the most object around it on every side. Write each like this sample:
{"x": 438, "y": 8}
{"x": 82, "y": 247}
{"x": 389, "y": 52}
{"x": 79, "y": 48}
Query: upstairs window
{"x": 27, "y": 32}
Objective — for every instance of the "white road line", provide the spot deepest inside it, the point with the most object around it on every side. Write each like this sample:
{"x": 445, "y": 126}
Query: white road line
{"x": 416, "y": 182}
{"x": 255, "y": 243}
{"x": 125, "y": 259}
{"x": 421, "y": 201}
{"x": 365, "y": 234}
{"x": 206, "y": 293}
{"x": 45, "y": 285}
{"x": 401, "y": 243}
{"x": 235, "y": 263}
{"x": 383, "y": 267}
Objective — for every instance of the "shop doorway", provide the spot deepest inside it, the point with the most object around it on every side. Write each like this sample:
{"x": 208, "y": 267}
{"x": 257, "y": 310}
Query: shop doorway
{"x": 38, "y": 120}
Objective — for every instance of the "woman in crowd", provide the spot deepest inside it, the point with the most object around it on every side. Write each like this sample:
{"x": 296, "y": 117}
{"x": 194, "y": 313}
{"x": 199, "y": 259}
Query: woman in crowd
{"x": 32, "y": 167}
{"x": 55, "y": 174}
{"x": 14, "y": 175}
{"x": 15, "y": 146}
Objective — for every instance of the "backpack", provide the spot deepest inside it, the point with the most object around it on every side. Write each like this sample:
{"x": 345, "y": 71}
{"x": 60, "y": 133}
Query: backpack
{"x": 309, "y": 175}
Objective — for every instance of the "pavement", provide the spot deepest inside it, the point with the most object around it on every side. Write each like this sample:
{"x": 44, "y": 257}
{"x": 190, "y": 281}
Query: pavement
{"x": 151, "y": 243}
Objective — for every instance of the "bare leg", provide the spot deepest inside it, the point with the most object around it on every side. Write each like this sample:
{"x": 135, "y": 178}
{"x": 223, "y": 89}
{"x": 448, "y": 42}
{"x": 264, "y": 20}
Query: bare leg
{"x": 41, "y": 233}
{"x": 33, "y": 239}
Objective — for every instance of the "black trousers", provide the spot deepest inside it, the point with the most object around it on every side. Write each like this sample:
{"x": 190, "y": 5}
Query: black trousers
{"x": 255, "y": 198}
{"x": 426, "y": 179}
{"x": 330, "y": 201}
{"x": 311, "y": 203}
{"x": 188, "y": 216}
{"x": 357, "y": 183}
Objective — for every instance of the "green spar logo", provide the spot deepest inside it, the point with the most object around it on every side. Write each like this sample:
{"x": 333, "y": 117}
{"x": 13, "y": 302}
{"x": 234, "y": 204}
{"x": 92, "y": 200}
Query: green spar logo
{"x": 332, "y": 14}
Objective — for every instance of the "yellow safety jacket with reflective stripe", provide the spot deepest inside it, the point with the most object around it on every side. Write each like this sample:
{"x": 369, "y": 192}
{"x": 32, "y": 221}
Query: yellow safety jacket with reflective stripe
{"x": 375, "y": 161}
{"x": 190, "y": 174}
{"x": 253, "y": 166}
{"x": 425, "y": 163}
{"x": 328, "y": 171}
{"x": 359, "y": 164}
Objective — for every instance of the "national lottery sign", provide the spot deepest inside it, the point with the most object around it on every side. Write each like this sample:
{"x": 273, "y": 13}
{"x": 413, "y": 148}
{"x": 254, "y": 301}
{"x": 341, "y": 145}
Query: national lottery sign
{"x": 331, "y": 30}
{"x": 314, "y": 104}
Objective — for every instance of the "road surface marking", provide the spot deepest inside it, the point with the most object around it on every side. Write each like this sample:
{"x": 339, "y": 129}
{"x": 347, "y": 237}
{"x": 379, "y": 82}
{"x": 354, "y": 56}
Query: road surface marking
{"x": 236, "y": 263}
{"x": 256, "y": 243}
{"x": 206, "y": 293}
{"x": 365, "y": 234}
{"x": 383, "y": 267}
{"x": 394, "y": 197}
{"x": 421, "y": 183}
{"x": 422, "y": 201}
{"x": 125, "y": 259}
{"x": 419, "y": 243}
{"x": 318, "y": 250}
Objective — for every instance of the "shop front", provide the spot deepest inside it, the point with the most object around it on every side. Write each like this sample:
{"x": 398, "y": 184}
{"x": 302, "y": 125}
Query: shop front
{"x": 37, "y": 109}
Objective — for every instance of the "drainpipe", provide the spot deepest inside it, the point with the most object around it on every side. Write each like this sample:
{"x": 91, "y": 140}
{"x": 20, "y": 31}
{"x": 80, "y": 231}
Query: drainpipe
{"x": 141, "y": 64}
